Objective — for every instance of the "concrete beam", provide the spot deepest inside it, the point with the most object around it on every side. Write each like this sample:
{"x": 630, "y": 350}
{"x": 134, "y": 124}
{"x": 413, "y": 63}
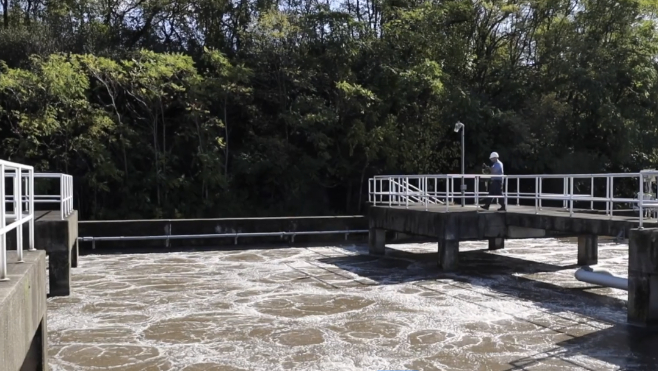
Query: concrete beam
{"x": 643, "y": 277}
{"x": 23, "y": 326}
{"x": 588, "y": 250}
{"x": 377, "y": 241}
{"x": 520, "y": 232}
{"x": 496, "y": 243}
{"x": 448, "y": 259}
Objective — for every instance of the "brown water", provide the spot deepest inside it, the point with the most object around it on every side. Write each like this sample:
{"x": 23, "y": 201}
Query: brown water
{"x": 335, "y": 308}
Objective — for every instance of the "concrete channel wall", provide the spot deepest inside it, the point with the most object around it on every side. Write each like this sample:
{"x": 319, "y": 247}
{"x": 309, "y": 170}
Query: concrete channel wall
{"x": 23, "y": 329}
{"x": 159, "y": 227}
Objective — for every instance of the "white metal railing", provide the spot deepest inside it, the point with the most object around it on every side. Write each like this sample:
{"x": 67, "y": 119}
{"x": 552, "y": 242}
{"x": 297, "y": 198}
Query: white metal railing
{"x": 429, "y": 190}
{"x": 64, "y": 199}
{"x": 22, "y": 210}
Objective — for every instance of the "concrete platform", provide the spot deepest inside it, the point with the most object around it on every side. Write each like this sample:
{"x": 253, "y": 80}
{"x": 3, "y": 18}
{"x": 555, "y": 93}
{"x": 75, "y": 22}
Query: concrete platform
{"x": 449, "y": 226}
{"x": 23, "y": 325}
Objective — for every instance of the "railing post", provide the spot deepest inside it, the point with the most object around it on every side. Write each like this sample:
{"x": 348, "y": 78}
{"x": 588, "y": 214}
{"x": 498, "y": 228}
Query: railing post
{"x": 3, "y": 219}
{"x": 540, "y": 192}
{"x": 571, "y": 196}
{"x": 591, "y": 204}
{"x": 18, "y": 211}
{"x": 30, "y": 185}
{"x": 640, "y": 201}
{"x": 612, "y": 196}
{"x": 476, "y": 188}
{"x": 536, "y": 195}
{"x": 406, "y": 188}
{"x": 518, "y": 191}
{"x": 506, "y": 189}
{"x": 61, "y": 192}
{"x": 565, "y": 191}
{"x": 447, "y": 193}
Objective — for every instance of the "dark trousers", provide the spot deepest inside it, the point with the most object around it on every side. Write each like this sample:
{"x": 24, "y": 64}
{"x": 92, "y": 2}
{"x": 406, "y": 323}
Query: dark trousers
{"x": 495, "y": 189}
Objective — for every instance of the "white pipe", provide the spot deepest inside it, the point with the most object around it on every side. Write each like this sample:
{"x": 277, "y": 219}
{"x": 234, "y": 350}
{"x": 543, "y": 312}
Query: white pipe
{"x": 601, "y": 277}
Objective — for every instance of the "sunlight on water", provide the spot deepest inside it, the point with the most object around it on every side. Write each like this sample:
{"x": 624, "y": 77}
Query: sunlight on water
{"x": 336, "y": 308}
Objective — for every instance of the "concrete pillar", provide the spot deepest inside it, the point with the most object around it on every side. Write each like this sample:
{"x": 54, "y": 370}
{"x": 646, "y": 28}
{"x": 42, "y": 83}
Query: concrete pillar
{"x": 59, "y": 273}
{"x": 496, "y": 243}
{"x": 36, "y": 358}
{"x": 643, "y": 277}
{"x": 377, "y": 241}
{"x": 74, "y": 255}
{"x": 448, "y": 255}
{"x": 588, "y": 250}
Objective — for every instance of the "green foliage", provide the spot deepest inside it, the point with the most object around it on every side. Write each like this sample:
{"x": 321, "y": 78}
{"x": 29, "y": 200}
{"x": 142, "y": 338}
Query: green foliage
{"x": 212, "y": 108}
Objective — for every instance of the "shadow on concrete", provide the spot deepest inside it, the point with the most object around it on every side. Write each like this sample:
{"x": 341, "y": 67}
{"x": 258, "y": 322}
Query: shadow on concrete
{"x": 497, "y": 273}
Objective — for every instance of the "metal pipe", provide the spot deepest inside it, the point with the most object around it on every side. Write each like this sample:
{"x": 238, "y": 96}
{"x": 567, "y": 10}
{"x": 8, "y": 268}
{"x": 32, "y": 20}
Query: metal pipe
{"x": 601, "y": 277}
{"x": 220, "y": 235}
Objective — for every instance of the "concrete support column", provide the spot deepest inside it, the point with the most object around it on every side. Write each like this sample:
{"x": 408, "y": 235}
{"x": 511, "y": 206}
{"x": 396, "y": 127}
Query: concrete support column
{"x": 448, "y": 255}
{"x": 377, "y": 241}
{"x": 36, "y": 358}
{"x": 643, "y": 277}
{"x": 59, "y": 273}
{"x": 588, "y": 250}
{"x": 496, "y": 243}
{"x": 74, "y": 255}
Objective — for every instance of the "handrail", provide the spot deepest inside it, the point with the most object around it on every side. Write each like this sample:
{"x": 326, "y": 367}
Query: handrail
{"x": 64, "y": 199}
{"x": 430, "y": 187}
{"x": 23, "y": 210}
{"x": 218, "y": 235}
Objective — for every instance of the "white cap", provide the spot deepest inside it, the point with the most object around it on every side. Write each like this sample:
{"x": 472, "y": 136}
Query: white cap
{"x": 493, "y": 155}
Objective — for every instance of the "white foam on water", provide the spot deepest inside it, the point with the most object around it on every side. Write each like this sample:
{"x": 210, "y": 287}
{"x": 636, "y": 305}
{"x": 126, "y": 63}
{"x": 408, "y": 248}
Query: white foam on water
{"x": 335, "y": 308}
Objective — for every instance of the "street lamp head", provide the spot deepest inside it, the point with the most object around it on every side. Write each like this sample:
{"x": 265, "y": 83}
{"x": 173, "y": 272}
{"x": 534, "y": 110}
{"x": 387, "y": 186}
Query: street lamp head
{"x": 458, "y": 126}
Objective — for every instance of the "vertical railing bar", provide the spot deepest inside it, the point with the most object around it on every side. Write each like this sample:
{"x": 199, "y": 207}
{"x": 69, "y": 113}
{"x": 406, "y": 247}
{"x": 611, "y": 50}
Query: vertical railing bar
{"x": 406, "y": 187}
{"x": 536, "y": 195}
{"x": 591, "y": 204}
{"x": 3, "y": 240}
{"x": 612, "y": 196}
{"x": 18, "y": 210}
{"x": 540, "y": 192}
{"x": 30, "y": 192}
{"x": 571, "y": 196}
{"x": 641, "y": 201}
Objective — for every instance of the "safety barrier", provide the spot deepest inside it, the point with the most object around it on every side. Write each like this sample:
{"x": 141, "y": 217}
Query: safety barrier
{"x": 64, "y": 199}
{"x": 22, "y": 205}
{"x": 430, "y": 190}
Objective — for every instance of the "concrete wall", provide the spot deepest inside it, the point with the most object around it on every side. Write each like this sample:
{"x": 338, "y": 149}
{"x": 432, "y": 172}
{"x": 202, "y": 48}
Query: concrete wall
{"x": 23, "y": 328}
{"x": 216, "y": 226}
{"x": 59, "y": 239}
{"x": 472, "y": 225}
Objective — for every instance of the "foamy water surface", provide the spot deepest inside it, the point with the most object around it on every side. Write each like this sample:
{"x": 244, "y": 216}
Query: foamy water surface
{"x": 336, "y": 308}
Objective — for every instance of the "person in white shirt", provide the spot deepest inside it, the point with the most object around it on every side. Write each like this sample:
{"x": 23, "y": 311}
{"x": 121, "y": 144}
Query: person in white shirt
{"x": 496, "y": 187}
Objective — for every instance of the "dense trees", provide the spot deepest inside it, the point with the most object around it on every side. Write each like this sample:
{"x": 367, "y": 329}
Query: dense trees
{"x": 170, "y": 108}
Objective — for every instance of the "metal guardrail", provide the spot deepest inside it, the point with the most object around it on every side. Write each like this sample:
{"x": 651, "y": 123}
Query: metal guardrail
{"x": 64, "y": 199}
{"x": 219, "y": 235}
{"x": 427, "y": 189}
{"x": 23, "y": 210}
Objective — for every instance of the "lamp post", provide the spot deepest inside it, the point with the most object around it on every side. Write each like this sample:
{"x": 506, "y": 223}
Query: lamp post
{"x": 459, "y": 126}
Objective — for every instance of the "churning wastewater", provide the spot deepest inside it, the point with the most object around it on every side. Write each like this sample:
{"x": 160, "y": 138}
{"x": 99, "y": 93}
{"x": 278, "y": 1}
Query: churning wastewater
{"x": 336, "y": 308}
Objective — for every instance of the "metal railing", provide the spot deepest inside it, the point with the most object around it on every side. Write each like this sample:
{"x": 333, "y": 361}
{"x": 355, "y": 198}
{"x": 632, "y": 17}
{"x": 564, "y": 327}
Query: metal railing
{"x": 584, "y": 189}
{"x": 235, "y": 236}
{"x": 64, "y": 199}
{"x": 22, "y": 210}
